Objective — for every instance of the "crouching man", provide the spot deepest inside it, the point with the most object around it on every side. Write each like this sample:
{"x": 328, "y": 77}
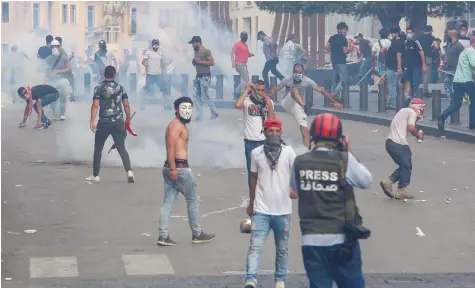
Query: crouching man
{"x": 323, "y": 180}
{"x": 43, "y": 95}
{"x": 269, "y": 204}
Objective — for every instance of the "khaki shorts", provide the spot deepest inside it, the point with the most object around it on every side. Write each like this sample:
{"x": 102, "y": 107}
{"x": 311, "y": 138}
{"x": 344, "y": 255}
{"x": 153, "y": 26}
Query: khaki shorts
{"x": 292, "y": 107}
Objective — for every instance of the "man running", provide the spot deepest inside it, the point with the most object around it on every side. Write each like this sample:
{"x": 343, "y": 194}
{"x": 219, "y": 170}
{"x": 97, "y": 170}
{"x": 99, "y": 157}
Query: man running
{"x": 104, "y": 57}
{"x": 295, "y": 85}
{"x": 154, "y": 60}
{"x": 397, "y": 146}
{"x": 203, "y": 61}
{"x": 43, "y": 95}
{"x": 178, "y": 177}
{"x": 108, "y": 98}
{"x": 272, "y": 59}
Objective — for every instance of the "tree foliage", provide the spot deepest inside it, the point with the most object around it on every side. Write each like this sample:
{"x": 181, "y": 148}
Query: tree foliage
{"x": 388, "y": 13}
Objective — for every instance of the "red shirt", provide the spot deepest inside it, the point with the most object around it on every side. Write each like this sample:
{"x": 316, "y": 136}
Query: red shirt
{"x": 241, "y": 52}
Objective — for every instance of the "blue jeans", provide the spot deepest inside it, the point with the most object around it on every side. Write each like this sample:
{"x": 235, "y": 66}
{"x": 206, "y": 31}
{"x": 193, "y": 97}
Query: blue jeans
{"x": 460, "y": 89}
{"x": 46, "y": 100}
{"x": 201, "y": 89}
{"x": 365, "y": 67}
{"x": 402, "y": 156}
{"x": 323, "y": 266}
{"x": 392, "y": 79}
{"x": 449, "y": 86}
{"x": 340, "y": 76}
{"x": 414, "y": 77}
{"x": 186, "y": 184}
{"x": 260, "y": 229}
{"x": 248, "y": 147}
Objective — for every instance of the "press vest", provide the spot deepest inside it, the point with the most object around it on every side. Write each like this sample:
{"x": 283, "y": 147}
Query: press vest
{"x": 324, "y": 192}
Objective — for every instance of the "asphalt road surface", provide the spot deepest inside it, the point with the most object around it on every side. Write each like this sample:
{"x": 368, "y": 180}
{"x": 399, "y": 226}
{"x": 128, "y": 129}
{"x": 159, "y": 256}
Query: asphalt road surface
{"x": 104, "y": 235}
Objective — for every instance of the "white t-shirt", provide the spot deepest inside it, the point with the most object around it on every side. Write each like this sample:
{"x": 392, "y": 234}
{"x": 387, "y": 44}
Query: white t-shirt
{"x": 253, "y": 124}
{"x": 273, "y": 186}
{"x": 398, "y": 127}
{"x": 386, "y": 43}
{"x": 288, "y": 83}
{"x": 154, "y": 62}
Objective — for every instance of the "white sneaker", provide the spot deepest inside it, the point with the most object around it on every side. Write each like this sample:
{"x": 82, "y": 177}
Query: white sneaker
{"x": 130, "y": 177}
{"x": 279, "y": 284}
{"x": 93, "y": 179}
{"x": 250, "y": 284}
{"x": 62, "y": 118}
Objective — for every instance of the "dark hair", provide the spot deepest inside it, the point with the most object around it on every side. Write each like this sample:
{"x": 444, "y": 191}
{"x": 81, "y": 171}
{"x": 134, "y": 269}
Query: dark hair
{"x": 463, "y": 25}
{"x": 341, "y": 25}
{"x": 298, "y": 65}
{"x": 49, "y": 38}
{"x": 180, "y": 100}
{"x": 109, "y": 72}
{"x": 21, "y": 91}
{"x": 259, "y": 82}
{"x": 60, "y": 40}
{"x": 409, "y": 28}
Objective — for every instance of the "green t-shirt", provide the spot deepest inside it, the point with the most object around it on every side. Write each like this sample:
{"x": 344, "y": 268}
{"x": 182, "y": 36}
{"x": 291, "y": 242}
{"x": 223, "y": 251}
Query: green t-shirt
{"x": 203, "y": 54}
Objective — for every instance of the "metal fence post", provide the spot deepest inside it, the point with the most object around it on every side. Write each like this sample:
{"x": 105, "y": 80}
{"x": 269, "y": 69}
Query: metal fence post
{"x": 346, "y": 95}
{"x": 381, "y": 98}
{"x": 436, "y": 106}
{"x": 219, "y": 86}
{"x": 363, "y": 96}
{"x": 419, "y": 92}
{"x": 72, "y": 81}
{"x": 327, "y": 85}
{"x": 237, "y": 82}
{"x": 455, "y": 117}
{"x": 184, "y": 85}
{"x": 87, "y": 83}
{"x": 399, "y": 96}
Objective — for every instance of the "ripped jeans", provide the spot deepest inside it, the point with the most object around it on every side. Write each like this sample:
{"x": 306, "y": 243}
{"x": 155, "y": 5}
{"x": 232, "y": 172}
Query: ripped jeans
{"x": 260, "y": 229}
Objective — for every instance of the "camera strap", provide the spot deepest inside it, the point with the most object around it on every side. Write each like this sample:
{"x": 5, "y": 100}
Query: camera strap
{"x": 343, "y": 182}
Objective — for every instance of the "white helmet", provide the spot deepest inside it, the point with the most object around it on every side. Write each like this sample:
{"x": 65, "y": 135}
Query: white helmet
{"x": 55, "y": 43}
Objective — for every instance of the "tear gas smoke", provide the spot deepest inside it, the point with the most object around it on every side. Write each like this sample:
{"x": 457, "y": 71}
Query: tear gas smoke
{"x": 212, "y": 143}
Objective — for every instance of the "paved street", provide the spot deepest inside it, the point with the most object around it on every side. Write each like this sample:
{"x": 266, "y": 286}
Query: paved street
{"x": 104, "y": 235}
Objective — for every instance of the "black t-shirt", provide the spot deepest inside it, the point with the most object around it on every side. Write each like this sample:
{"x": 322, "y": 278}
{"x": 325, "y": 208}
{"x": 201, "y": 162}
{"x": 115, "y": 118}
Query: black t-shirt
{"x": 397, "y": 45}
{"x": 412, "y": 58}
{"x": 337, "y": 43}
{"x": 426, "y": 41}
{"x": 365, "y": 48}
{"x": 40, "y": 91}
{"x": 44, "y": 52}
{"x": 110, "y": 95}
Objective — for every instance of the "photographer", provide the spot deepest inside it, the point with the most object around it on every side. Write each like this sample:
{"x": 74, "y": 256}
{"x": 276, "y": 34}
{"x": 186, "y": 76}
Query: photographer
{"x": 323, "y": 180}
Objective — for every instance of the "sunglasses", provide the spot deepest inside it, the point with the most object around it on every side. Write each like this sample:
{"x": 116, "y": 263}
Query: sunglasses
{"x": 261, "y": 90}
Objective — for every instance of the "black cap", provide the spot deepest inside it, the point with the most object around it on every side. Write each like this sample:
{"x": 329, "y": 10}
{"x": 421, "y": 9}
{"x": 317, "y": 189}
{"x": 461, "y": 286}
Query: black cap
{"x": 195, "y": 39}
{"x": 394, "y": 30}
{"x": 259, "y": 34}
{"x": 21, "y": 91}
{"x": 155, "y": 41}
{"x": 428, "y": 28}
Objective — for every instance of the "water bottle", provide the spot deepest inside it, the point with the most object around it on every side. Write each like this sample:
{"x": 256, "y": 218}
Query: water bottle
{"x": 420, "y": 139}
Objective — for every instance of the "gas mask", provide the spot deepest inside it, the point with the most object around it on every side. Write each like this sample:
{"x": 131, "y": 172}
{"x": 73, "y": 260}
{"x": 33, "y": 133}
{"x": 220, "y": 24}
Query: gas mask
{"x": 184, "y": 112}
{"x": 155, "y": 48}
{"x": 103, "y": 47}
{"x": 409, "y": 36}
{"x": 298, "y": 77}
{"x": 244, "y": 38}
{"x": 55, "y": 52}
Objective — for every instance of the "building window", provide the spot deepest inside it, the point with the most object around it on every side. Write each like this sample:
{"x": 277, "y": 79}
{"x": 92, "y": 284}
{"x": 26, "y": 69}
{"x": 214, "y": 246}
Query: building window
{"x": 133, "y": 21}
{"x": 5, "y": 12}
{"x": 90, "y": 16}
{"x": 72, "y": 16}
{"x": 248, "y": 3}
{"x": 111, "y": 37}
{"x": 64, "y": 13}
{"x": 236, "y": 4}
{"x": 36, "y": 15}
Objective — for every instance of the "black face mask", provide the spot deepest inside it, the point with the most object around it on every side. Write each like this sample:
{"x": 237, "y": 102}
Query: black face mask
{"x": 196, "y": 48}
{"x": 103, "y": 48}
{"x": 244, "y": 39}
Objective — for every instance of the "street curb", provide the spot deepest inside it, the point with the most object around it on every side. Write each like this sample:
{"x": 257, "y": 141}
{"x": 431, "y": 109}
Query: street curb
{"x": 360, "y": 117}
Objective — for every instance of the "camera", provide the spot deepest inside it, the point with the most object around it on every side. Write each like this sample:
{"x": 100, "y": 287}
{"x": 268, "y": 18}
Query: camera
{"x": 353, "y": 233}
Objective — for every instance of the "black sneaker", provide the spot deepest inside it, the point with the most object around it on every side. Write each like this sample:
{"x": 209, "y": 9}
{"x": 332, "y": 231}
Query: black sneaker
{"x": 202, "y": 238}
{"x": 165, "y": 242}
{"x": 214, "y": 116}
{"x": 441, "y": 124}
{"x": 48, "y": 123}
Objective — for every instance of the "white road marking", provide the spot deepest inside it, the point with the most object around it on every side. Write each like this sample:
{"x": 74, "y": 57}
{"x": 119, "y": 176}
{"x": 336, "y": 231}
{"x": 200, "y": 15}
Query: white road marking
{"x": 53, "y": 267}
{"x": 419, "y": 232}
{"x": 244, "y": 203}
{"x": 147, "y": 264}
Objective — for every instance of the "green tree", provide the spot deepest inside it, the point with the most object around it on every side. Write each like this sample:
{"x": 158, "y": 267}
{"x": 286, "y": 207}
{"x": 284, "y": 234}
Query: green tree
{"x": 388, "y": 13}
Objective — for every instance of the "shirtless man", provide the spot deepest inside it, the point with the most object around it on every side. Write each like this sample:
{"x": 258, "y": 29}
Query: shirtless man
{"x": 178, "y": 177}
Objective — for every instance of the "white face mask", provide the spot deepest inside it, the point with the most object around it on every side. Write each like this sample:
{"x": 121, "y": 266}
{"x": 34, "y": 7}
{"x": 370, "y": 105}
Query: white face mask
{"x": 55, "y": 51}
{"x": 185, "y": 110}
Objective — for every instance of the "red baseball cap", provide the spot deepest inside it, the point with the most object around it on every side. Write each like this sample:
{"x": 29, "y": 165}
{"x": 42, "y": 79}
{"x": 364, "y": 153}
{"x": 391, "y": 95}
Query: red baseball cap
{"x": 272, "y": 122}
